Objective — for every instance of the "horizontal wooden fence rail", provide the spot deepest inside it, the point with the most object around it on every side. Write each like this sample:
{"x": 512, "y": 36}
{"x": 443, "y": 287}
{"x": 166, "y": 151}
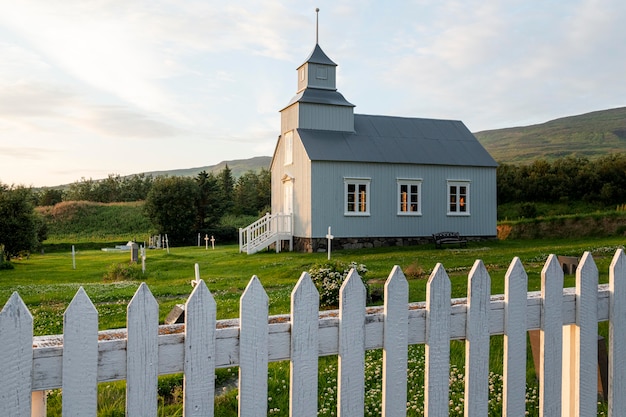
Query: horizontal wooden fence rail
{"x": 567, "y": 320}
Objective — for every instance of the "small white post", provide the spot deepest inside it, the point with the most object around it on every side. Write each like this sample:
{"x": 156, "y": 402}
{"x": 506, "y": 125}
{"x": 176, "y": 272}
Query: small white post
{"x": 212, "y": 242}
{"x": 167, "y": 244}
{"x": 206, "y": 242}
{"x": 38, "y": 404}
{"x": 73, "y": 258}
{"x": 198, "y": 239}
{"x": 329, "y": 237}
{"x": 143, "y": 258}
{"x": 196, "y": 281}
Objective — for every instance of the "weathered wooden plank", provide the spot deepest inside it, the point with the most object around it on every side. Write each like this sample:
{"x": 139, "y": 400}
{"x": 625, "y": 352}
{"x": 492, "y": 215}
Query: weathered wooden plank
{"x": 580, "y": 345}
{"x": 253, "y": 350}
{"x": 16, "y": 351}
{"x": 551, "y": 339}
{"x": 436, "y": 379}
{"x": 351, "y": 365}
{"x": 199, "y": 362}
{"x": 80, "y": 357}
{"x": 142, "y": 357}
{"x": 515, "y": 288}
{"x": 477, "y": 342}
{"x": 617, "y": 334}
{"x": 395, "y": 341}
{"x": 304, "y": 348}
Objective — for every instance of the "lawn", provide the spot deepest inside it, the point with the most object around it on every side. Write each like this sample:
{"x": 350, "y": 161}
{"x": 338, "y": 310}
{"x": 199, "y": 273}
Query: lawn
{"x": 47, "y": 282}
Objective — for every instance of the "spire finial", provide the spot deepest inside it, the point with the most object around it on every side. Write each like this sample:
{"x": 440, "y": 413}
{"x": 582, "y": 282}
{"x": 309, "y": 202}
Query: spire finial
{"x": 317, "y": 25}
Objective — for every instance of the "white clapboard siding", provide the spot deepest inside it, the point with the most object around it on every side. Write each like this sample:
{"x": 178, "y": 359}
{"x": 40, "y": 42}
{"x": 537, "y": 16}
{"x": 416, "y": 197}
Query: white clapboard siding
{"x": 437, "y": 373}
{"x": 80, "y": 357}
{"x": 617, "y": 334}
{"x": 253, "y": 350}
{"x": 16, "y": 351}
{"x": 395, "y": 344}
{"x": 567, "y": 320}
{"x": 551, "y": 337}
{"x": 477, "y": 342}
{"x": 199, "y": 371}
{"x": 142, "y": 354}
{"x": 304, "y": 346}
{"x": 515, "y": 289}
{"x": 350, "y": 381}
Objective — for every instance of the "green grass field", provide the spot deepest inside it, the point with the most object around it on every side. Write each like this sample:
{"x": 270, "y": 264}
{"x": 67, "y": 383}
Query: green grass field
{"x": 47, "y": 282}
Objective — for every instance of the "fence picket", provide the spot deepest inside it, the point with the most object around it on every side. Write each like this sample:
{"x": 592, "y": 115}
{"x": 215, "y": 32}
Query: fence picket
{"x": 438, "y": 293}
{"x": 199, "y": 368}
{"x": 515, "y": 289}
{"x": 580, "y": 345}
{"x": 16, "y": 351}
{"x": 80, "y": 357}
{"x": 551, "y": 339}
{"x": 395, "y": 344}
{"x": 253, "y": 350}
{"x": 350, "y": 381}
{"x": 304, "y": 348}
{"x": 477, "y": 342}
{"x": 617, "y": 334}
{"x": 142, "y": 354}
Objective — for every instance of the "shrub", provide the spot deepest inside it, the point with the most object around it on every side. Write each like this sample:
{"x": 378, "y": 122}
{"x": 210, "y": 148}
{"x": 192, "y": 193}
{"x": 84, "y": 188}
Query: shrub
{"x": 328, "y": 278}
{"x": 6, "y": 265}
{"x": 123, "y": 272}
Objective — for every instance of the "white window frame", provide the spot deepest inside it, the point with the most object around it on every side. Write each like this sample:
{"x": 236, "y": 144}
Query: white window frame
{"x": 404, "y": 201}
{"x": 458, "y": 203}
{"x": 288, "y": 148}
{"x": 362, "y": 192}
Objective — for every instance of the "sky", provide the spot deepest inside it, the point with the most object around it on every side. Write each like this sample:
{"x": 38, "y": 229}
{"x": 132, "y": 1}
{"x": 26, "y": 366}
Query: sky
{"x": 90, "y": 88}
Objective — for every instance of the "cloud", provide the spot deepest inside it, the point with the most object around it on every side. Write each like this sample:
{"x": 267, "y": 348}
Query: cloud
{"x": 38, "y": 106}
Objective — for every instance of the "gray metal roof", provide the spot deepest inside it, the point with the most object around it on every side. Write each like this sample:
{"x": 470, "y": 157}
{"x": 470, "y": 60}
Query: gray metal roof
{"x": 399, "y": 140}
{"x": 320, "y": 96}
{"x": 318, "y": 56}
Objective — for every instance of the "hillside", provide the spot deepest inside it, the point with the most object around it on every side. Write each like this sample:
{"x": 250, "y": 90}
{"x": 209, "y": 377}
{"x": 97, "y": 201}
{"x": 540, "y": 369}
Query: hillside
{"x": 588, "y": 135}
{"x": 237, "y": 166}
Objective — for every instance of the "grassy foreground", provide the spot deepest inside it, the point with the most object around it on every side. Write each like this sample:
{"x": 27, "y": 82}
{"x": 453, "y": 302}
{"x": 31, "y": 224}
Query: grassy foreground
{"x": 47, "y": 282}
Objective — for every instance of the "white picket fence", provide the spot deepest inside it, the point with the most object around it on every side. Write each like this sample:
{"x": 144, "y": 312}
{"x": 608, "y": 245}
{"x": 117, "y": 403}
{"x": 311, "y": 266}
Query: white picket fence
{"x": 567, "y": 319}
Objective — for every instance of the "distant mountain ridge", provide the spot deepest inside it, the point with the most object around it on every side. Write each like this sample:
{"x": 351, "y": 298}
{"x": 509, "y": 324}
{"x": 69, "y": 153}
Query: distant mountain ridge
{"x": 589, "y": 135}
{"x": 237, "y": 166}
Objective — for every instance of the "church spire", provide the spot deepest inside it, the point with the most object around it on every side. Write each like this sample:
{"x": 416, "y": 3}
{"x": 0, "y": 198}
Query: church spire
{"x": 317, "y": 25}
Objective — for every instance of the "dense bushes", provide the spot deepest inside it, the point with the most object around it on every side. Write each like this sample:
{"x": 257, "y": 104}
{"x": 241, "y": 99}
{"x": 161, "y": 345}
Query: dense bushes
{"x": 601, "y": 181}
{"x": 329, "y": 277}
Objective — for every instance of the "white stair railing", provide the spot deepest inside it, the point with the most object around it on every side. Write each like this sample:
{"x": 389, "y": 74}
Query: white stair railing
{"x": 271, "y": 228}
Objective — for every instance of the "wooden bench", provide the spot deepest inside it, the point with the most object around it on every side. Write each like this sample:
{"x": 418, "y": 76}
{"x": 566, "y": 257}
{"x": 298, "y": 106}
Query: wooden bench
{"x": 448, "y": 238}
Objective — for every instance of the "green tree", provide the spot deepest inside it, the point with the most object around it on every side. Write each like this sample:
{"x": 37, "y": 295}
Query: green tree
{"x": 226, "y": 187}
{"x": 20, "y": 227}
{"x": 50, "y": 197}
{"x": 210, "y": 209}
{"x": 172, "y": 208}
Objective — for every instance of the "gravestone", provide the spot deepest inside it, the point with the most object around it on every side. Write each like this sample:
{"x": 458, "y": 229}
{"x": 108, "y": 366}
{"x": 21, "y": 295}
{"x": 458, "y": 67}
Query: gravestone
{"x": 177, "y": 315}
{"x": 134, "y": 252}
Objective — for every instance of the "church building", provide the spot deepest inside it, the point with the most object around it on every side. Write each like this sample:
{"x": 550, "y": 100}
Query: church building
{"x": 374, "y": 180}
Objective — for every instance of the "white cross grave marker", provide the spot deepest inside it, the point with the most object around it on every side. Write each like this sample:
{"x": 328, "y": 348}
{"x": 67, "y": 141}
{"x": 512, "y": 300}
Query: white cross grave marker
{"x": 206, "y": 242}
{"x": 212, "y": 242}
{"x": 330, "y": 238}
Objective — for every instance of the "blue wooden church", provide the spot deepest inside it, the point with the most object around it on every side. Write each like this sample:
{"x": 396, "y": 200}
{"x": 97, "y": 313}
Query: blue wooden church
{"x": 374, "y": 180}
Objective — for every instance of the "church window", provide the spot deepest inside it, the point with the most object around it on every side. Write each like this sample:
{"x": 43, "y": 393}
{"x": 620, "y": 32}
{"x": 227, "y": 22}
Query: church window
{"x": 356, "y": 201}
{"x": 409, "y": 197}
{"x": 458, "y": 198}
